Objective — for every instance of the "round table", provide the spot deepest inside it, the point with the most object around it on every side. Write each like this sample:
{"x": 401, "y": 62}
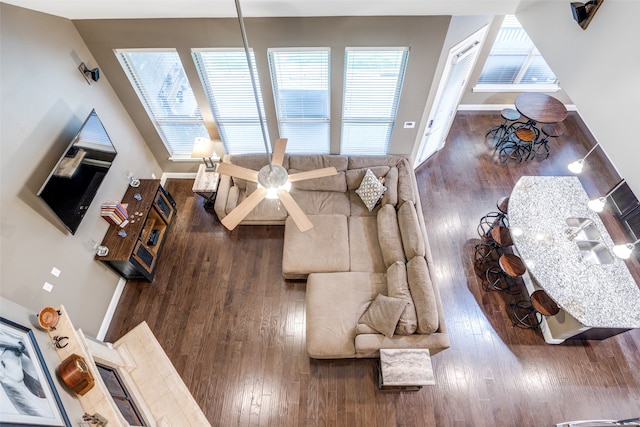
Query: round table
{"x": 540, "y": 107}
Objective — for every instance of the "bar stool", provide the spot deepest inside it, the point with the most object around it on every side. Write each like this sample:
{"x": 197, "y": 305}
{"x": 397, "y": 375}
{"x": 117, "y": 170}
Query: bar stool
{"x": 526, "y": 312}
{"x": 509, "y": 267}
{"x": 500, "y": 132}
{"x": 519, "y": 145}
{"x": 498, "y": 241}
{"x": 491, "y": 219}
{"x": 550, "y": 131}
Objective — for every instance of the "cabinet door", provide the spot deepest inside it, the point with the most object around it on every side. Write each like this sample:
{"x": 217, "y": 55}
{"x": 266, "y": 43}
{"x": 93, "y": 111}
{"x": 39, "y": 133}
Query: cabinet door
{"x": 164, "y": 206}
{"x": 144, "y": 257}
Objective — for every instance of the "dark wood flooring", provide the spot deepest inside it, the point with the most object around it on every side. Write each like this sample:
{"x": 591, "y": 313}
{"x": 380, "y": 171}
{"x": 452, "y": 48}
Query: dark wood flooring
{"x": 235, "y": 330}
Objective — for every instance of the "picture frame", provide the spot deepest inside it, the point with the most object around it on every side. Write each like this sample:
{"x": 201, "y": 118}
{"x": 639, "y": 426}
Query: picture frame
{"x": 28, "y": 395}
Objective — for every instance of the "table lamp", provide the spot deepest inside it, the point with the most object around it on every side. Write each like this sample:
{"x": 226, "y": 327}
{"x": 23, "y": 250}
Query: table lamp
{"x": 203, "y": 148}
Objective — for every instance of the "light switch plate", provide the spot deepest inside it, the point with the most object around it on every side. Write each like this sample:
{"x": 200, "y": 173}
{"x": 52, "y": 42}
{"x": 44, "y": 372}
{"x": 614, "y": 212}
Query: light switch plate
{"x": 409, "y": 125}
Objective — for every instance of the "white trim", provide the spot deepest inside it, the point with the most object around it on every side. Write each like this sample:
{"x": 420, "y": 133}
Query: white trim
{"x": 111, "y": 309}
{"x": 177, "y": 175}
{"x": 183, "y": 158}
{"x": 487, "y": 88}
{"x": 498, "y": 107}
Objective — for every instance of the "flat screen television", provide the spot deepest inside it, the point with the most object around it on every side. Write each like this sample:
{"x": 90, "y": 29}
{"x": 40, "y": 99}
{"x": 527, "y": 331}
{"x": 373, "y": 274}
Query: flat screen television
{"x": 74, "y": 181}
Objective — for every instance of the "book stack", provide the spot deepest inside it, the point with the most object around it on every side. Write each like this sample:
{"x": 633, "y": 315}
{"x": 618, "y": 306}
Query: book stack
{"x": 114, "y": 213}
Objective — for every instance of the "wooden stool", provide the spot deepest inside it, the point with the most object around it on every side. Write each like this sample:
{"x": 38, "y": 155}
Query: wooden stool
{"x": 492, "y": 219}
{"x": 499, "y": 133}
{"x": 526, "y": 312}
{"x": 519, "y": 145}
{"x": 541, "y": 148}
{"x": 510, "y": 267}
{"x": 499, "y": 239}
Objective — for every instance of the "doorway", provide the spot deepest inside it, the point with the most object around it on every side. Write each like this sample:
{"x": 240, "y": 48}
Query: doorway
{"x": 459, "y": 64}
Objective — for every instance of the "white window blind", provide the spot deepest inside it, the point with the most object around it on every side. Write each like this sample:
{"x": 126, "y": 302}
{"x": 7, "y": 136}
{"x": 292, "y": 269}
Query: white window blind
{"x": 159, "y": 80}
{"x": 300, "y": 80}
{"x": 227, "y": 82}
{"x": 372, "y": 88}
{"x": 514, "y": 59}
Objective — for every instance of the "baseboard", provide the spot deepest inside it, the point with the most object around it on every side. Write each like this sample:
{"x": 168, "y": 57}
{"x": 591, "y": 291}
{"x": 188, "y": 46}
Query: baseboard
{"x": 111, "y": 309}
{"x": 176, "y": 175}
{"x": 498, "y": 107}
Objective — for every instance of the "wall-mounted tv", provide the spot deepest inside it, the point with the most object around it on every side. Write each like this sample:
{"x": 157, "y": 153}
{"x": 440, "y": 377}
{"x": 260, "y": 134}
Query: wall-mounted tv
{"x": 74, "y": 181}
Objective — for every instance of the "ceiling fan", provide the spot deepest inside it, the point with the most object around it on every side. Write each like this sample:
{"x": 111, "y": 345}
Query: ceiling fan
{"x": 273, "y": 180}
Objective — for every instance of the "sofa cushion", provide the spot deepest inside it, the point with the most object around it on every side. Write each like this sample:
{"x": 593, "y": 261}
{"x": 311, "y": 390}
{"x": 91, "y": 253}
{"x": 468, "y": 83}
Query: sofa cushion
{"x": 324, "y": 248}
{"x": 336, "y": 182}
{"x": 410, "y": 230}
{"x": 232, "y": 199}
{"x": 363, "y": 162}
{"x": 423, "y": 295}
{"x": 370, "y": 190}
{"x": 322, "y": 202}
{"x": 364, "y": 249}
{"x": 391, "y": 182}
{"x": 383, "y": 314}
{"x": 398, "y": 287}
{"x": 333, "y": 304}
{"x": 405, "y": 183}
{"x": 307, "y": 162}
{"x": 389, "y": 236}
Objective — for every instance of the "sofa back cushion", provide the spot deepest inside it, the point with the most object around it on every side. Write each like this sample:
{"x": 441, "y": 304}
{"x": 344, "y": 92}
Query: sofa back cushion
{"x": 423, "y": 295}
{"x": 390, "y": 197}
{"x": 307, "y": 162}
{"x": 410, "y": 230}
{"x": 336, "y": 182}
{"x": 389, "y": 236}
{"x": 398, "y": 287}
{"x": 406, "y": 192}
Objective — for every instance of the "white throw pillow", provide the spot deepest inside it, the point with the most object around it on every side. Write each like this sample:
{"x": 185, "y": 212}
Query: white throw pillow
{"x": 370, "y": 190}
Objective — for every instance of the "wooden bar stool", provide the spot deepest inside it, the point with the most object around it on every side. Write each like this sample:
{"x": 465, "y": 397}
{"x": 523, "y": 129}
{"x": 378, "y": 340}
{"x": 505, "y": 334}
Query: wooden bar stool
{"x": 541, "y": 147}
{"x": 498, "y": 241}
{"x": 528, "y": 313}
{"x": 510, "y": 266}
{"x": 492, "y": 219}
{"x": 500, "y": 132}
{"x": 519, "y": 145}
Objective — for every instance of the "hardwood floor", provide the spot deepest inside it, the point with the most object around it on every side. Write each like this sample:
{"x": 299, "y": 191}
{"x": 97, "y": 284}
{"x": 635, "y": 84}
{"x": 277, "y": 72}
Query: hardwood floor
{"x": 235, "y": 330}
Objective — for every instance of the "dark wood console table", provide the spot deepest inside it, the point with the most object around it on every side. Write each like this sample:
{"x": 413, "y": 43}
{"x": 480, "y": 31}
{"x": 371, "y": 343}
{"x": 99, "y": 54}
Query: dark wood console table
{"x": 134, "y": 255}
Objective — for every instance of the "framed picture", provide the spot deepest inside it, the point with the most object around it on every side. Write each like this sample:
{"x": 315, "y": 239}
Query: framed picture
{"x": 28, "y": 395}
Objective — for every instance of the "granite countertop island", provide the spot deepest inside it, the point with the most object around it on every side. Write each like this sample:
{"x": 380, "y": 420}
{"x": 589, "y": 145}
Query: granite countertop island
{"x": 596, "y": 295}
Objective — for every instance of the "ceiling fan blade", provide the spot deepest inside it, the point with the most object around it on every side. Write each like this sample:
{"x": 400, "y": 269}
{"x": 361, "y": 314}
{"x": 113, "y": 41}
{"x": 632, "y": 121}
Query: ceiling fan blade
{"x": 297, "y": 215}
{"x": 242, "y": 210}
{"x": 238, "y": 172}
{"x": 316, "y": 173}
{"x": 278, "y": 151}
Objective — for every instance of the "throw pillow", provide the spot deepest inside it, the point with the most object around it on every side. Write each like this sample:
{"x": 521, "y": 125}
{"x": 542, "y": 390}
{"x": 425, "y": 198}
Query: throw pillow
{"x": 383, "y": 314}
{"x": 370, "y": 190}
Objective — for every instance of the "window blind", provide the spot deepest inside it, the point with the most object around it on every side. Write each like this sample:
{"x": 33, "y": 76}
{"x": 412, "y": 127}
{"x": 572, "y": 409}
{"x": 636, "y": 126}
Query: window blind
{"x": 300, "y": 80}
{"x": 162, "y": 86}
{"x": 372, "y": 88}
{"x": 227, "y": 82}
{"x": 514, "y": 59}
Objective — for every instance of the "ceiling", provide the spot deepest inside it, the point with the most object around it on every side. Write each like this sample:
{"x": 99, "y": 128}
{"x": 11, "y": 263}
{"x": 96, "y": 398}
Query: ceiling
{"x": 125, "y": 9}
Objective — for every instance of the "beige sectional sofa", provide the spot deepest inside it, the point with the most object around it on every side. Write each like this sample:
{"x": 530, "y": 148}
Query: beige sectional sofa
{"x": 353, "y": 259}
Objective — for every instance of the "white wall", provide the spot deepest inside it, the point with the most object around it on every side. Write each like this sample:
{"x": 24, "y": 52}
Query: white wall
{"x": 44, "y": 101}
{"x": 599, "y": 68}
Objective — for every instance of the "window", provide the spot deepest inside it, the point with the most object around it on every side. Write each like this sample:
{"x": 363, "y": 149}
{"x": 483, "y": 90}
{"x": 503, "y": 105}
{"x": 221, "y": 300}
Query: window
{"x": 227, "y": 83}
{"x": 372, "y": 86}
{"x": 300, "y": 80}
{"x": 514, "y": 60}
{"x": 160, "y": 81}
